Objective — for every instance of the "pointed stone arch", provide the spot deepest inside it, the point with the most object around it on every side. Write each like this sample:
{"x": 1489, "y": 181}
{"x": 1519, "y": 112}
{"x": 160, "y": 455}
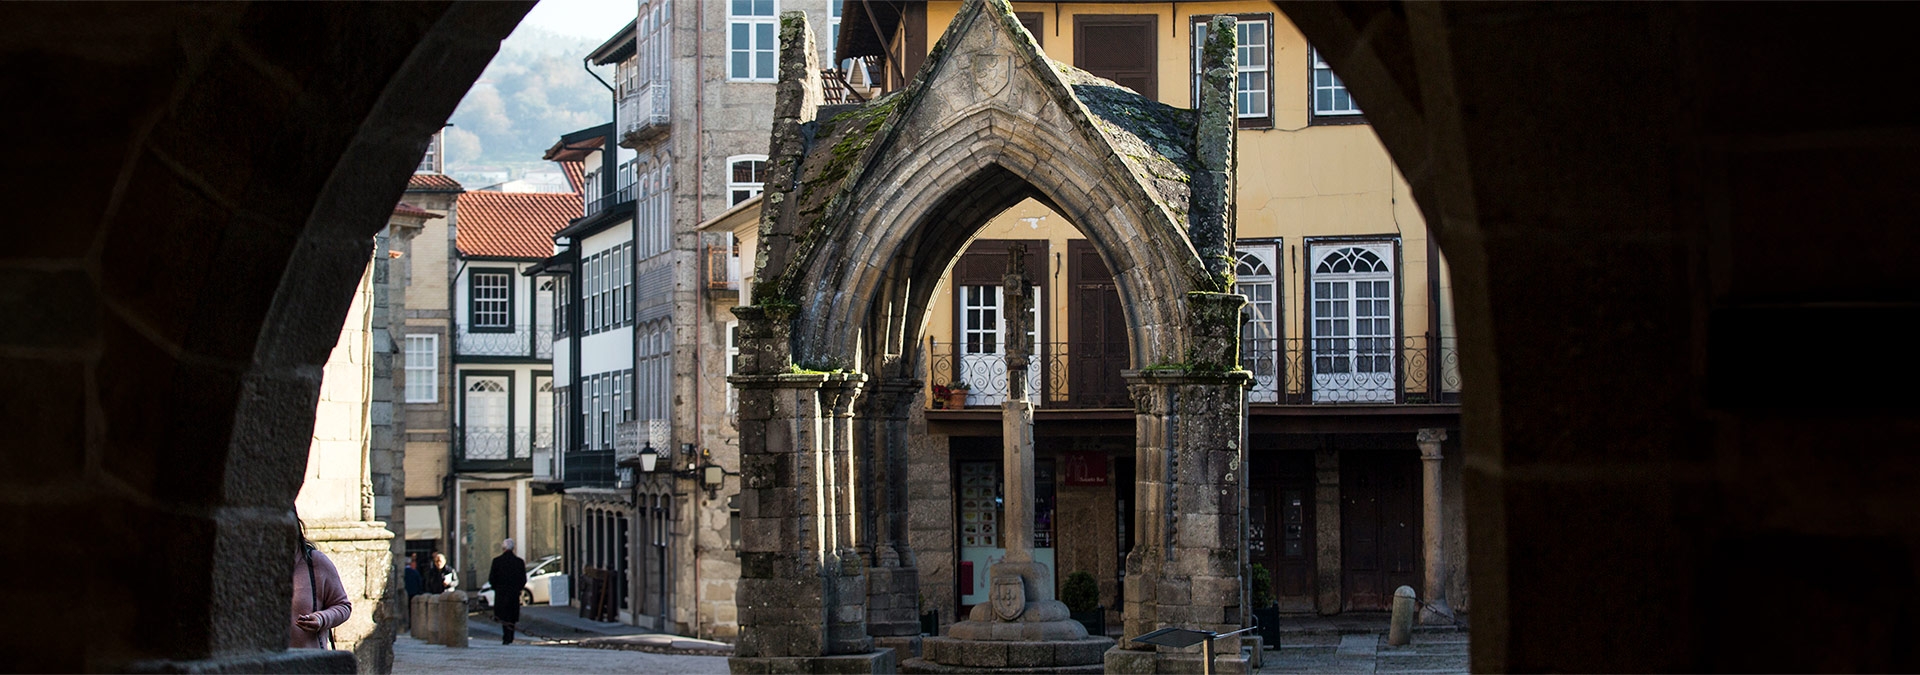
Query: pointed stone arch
{"x": 866, "y": 207}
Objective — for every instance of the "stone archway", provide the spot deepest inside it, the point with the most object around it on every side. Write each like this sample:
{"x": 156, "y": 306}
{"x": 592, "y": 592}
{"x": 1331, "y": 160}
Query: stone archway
{"x": 865, "y": 209}
{"x": 1625, "y": 527}
{"x": 220, "y": 171}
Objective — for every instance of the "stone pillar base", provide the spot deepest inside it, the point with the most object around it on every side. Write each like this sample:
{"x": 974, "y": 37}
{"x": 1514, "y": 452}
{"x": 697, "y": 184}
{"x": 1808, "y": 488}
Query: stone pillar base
{"x": 876, "y": 662}
{"x": 958, "y": 655}
{"x": 290, "y": 661}
{"x": 903, "y": 646}
{"x": 1139, "y": 662}
{"x": 1437, "y": 613}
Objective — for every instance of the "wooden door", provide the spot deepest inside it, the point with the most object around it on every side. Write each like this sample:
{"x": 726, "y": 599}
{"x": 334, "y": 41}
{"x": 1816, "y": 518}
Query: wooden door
{"x": 1380, "y": 526}
{"x": 1097, "y": 347}
{"x": 1280, "y": 531}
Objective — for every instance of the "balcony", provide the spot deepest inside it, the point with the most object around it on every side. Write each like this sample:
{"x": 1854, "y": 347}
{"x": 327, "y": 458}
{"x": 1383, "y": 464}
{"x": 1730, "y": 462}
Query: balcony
{"x": 723, "y": 269}
{"x": 836, "y": 89}
{"x": 644, "y": 113}
{"x": 535, "y": 342}
{"x": 1288, "y": 372}
{"x": 590, "y": 468}
{"x": 491, "y": 448}
{"x": 596, "y": 202}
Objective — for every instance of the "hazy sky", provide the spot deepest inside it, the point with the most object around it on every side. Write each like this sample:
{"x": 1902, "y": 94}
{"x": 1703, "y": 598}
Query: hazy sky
{"x": 595, "y": 19}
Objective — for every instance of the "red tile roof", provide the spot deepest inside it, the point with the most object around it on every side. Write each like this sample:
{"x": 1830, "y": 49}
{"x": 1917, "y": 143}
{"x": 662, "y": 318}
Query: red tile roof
{"x": 576, "y": 176}
{"x": 433, "y": 182}
{"x": 411, "y": 211}
{"x": 511, "y": 224}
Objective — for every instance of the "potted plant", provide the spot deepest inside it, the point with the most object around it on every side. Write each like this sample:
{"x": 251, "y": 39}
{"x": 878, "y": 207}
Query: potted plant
{"x": 941, "y": 395}
{"x": 957, "y": 393}
{"x": 1266, "y": 612}
{"x": 1081, "y": 593}
{"x": 929, "y": 620}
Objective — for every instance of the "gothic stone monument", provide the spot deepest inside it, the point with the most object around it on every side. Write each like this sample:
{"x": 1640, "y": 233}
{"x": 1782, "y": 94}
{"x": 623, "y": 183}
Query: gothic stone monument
{"x": 864, "y": 207}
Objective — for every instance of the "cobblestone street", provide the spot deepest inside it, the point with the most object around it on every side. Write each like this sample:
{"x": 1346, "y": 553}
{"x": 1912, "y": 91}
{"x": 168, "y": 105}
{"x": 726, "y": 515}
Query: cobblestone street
{"x": 1431, "y": 652}
{"x": 485, "y": 654}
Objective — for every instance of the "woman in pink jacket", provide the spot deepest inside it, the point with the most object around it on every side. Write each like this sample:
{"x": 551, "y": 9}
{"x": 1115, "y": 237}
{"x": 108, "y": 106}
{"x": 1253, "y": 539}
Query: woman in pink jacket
{"x": 319, "y": 599}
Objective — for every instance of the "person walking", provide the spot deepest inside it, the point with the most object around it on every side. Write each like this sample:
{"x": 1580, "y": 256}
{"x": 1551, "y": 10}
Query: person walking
{"x": 319, "y": 599}
{"x": 509, "y": 577}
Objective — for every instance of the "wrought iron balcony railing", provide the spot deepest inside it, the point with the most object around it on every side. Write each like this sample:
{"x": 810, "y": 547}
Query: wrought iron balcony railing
{"x": 499, "y": 444}
{"x": 595, "y": 203}
{"x": 534, "y": 342}
{"x": 644, "y": 112}
{"x": 1059, "y": 374}
{"x": 1353, "y": 370}
{"x": 490, "y": 444}
{"x": 1292, "y": 371}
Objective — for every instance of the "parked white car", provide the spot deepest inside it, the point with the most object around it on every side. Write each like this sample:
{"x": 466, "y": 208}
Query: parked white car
{"x": 539, "y": 588}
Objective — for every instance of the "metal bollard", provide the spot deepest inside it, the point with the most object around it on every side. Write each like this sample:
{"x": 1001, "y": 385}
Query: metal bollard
{"x": 1400, "y": 627}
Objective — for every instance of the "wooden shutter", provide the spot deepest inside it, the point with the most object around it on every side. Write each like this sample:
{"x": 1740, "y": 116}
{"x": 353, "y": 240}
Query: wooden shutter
{"x": 1124, "y": 48}
{"x": 1034, "y": 22}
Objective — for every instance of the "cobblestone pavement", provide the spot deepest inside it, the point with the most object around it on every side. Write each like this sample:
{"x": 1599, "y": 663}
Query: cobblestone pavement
{"x": 485, "y": 654}
{"x": 1431, "y": 652}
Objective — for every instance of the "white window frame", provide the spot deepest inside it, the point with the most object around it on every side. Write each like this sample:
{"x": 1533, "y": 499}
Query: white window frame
{"x": 1247, "y": 73}
{"x": 752, "y": 188}
{"x": 758, "y": 26}
{"x": 1313, "y": 81}
{"x": 1351, "y": 364}
{"x": 733, "y": 351}
{"x": 1262, "y": 316}
{"x": 501, "y": 306}
{"x": 431, "y": 367}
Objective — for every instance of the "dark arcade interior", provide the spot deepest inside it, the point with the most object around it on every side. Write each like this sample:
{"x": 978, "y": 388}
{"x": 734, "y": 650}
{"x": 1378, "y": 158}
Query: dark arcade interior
{"x": 1681, "y": 242}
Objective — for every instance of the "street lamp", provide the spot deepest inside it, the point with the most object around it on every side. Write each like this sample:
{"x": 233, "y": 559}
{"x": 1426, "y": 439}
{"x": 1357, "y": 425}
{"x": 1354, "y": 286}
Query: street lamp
{"x": 648, "y": 458}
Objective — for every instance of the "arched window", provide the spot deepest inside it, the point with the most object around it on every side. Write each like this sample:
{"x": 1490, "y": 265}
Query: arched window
{"x": 746, "y": 177}
{"x": 1259, "y": 335}
{"x": 1351, "y": 259}
{"x": 1353, "y": 316}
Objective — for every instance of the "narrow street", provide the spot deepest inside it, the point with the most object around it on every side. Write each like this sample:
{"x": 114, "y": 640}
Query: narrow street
{"x": 485, "y": 654}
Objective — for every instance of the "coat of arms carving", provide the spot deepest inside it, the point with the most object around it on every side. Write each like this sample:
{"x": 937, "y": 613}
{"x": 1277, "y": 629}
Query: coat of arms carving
{"x": 1009, "y": 598}
{"x": 992, "y": 72}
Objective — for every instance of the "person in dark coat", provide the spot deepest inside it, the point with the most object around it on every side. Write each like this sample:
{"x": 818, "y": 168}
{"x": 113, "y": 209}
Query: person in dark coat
{"x": 439, "y": 577}
{"x": 509, "y": 577}
{"x": 416, "y": 584}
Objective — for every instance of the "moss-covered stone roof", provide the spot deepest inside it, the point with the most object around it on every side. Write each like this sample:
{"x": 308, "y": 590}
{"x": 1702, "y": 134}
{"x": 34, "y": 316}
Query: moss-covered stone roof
{"x": 1155, "y": 140}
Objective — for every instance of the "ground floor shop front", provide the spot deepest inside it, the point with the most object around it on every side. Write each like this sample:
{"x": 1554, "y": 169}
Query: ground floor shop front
{"x": 1339, "y": 519}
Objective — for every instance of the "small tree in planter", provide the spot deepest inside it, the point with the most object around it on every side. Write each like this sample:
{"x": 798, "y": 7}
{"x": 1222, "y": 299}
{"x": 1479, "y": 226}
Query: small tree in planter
{"x": 1081, "y": 593}
{"x": 1266, "y": 611}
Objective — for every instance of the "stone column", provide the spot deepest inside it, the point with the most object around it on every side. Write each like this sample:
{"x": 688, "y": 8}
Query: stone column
{"x": 1189, "y": 551}
{"x": 847, "y": 614}
{"x": 802, "y": 594}
{"x": 1326, "y": 532}
{"x": 785, "y": 556}
{"x": 1434, "y": 582}
{"x": 893, "y": 582}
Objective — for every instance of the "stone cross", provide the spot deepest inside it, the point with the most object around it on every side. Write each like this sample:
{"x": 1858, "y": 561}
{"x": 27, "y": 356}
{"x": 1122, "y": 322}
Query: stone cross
{"x": 1017, "y": 415}
{"x": 1019, "y": 308}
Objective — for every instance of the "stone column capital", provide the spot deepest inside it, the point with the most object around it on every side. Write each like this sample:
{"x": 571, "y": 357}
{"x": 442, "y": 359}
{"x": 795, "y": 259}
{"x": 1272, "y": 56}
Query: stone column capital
{"x": 1429, "y": 440}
